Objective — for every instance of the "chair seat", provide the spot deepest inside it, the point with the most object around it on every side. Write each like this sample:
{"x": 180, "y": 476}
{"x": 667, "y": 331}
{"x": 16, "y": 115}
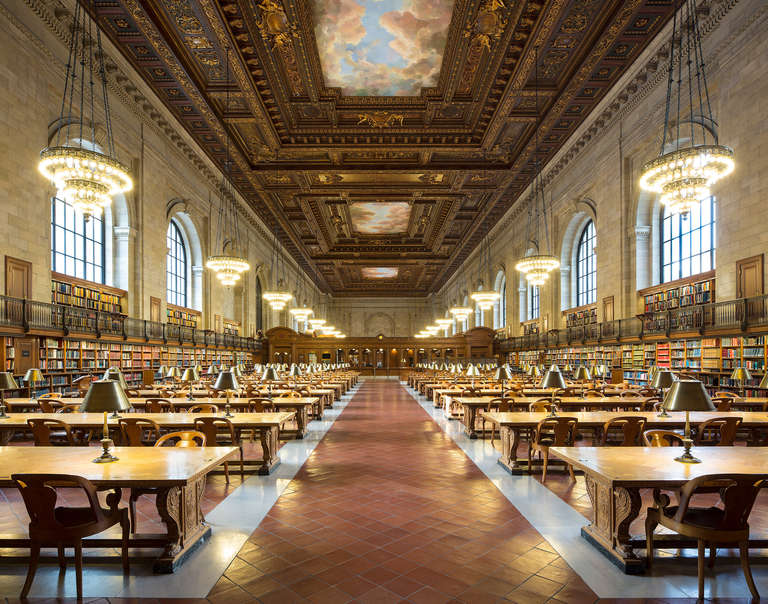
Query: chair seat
{"x": 701, "y": 517}
{"x": 74, "y": 516}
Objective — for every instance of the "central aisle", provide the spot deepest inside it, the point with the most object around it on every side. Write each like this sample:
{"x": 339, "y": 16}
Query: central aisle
{"x": 387, "y": 508}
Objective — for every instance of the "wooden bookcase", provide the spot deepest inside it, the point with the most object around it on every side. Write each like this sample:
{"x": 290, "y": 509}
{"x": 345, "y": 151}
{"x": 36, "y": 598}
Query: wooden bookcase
{"x": 580, "y": 316}
{"x": 231, "y": 327}
{"x": 79, "y": 293}
{"x": 692, "y": 291}
{"x": 186, "y": 317}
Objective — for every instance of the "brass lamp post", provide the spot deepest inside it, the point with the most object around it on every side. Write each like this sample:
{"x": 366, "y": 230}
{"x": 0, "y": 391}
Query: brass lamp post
{"x": 764, "y": 382}
{"x": 269, "y": 376}
{"x": 472, "y": 372}
{"x": 295, "y": 371}
{"x": 105, "y": 395}
{"x": 189, "y": 377}
{"x": 582, "y": 375}
{"x": 553, "y": 379}
{"x": 663, "y": 379}
{"x": 227, "y": 381}
{"x": 162, "y": 371}
{"x": 502, "y": 374}
{"x": 688, "y": 395}
{"x": 7, "y": 382}
{"x": 32, "y": 377}
{"x": 174, "y": 373}
{"x": 741, "y": 375}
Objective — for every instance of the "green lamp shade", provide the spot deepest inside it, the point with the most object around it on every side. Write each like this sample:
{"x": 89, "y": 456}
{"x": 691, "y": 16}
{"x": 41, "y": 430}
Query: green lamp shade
{"x": 7, "y": 382}
{"x": 163, "y": 370}
{"x": 741, "y": 374}
{"x": 33, "y": 375}
{"x": 553, "y": 379}
{"x": 190, "y": 375}
{"x": 502, "y": 373}
{"x": 199, "y": 369}
{"x": 294, "y": 370}
{"x": 226, "y": 381}
{"x": 568, "y": 368}
{"x": 269, "y": 375}
{"x": 534, "y": 371}
{"x": 114, "y": 374}
{"x": 105, "y": 395}
{"x": 174, "y": 372}
{"x": 472, "y": 370}
{"x": 211, "y": 370}
{"x": 662, "y": 379}
{"x": 764, "y": 381}
{"x": 688, "y": 395}
{"x": 582, "y": 373}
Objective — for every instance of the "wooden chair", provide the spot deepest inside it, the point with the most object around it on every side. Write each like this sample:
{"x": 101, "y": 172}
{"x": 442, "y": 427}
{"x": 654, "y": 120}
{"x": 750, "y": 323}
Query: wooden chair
{"x": 158, "y": 405}
{"x": 83, "y": 383}
{"x": 138, "y": 431}
{"x": 543, "y": 404}
{"x": 221, "y": 431}
{"x": 723, "y": 403}
{"x": 662, "y": 438}
{"x": 712, "y": 525}
{"x": 291, "y": 394}
{"x": 552, "y": 432}
{"x": 48, "y": 405}
{"x": 631, "y": 428}
{"x": 67, "y": 408}
{"x": 66, "y": 527}
{"x": 132, "y": 393}
{"x": 499, "y": 405}
{"x": 718, "y": 431}
{"x": 203, "y": 408}
{"x": 649, "y": 404}
{"x": 723, "y": 393}
{"x": 260, "y": 405}
{"x": 51, "y": 432}
{"x": 592, "y": 393}
{"x": 630, "y": 394}
{"x": 566, "y": 392}
{"x": 647, "y": 391}
{"x": 182, "y": 439}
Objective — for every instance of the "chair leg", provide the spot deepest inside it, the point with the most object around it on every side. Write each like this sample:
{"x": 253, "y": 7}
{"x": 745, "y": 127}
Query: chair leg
{"x": 650, "y": 526}
{"x": 744, "y": 555}
{"x": 544, "y": 452}
{"x": 702, "y": 555}
{"x": 132, "y": 507}
{"x": 79, "y": 567}
{"x": 125, "y": 523}
{"x": 712, "y": 555}
{"x": 34, "y": 557}
{"x": 242, "y": 465}
{"x": 570, "y": 471}
{"x": 226, "y": 471}
{"x": 62, "y": 557}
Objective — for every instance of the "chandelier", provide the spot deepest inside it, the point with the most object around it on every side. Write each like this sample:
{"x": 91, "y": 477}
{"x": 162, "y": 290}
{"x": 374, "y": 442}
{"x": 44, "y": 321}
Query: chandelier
{"x": 536, "y": 264}
{"x": 229, "y": 265}
{"x": 460, "y": 313}
{"x": 445, "y": 324}
{"x": 484, "y": 299}
{"x": 691, "y": 160}
{"x": 84, "y": 177}
{"x": 317, "y": 324}
{"x": 278, "y": 297}
{"x": 303, "y": 312}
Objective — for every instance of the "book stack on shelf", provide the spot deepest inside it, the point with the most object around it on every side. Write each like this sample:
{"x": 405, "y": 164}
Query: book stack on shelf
{"x": 82, "y": 294}
{"x": 10, "y": 355}
{"x": 663, "y": 355}
{"x": 730, "y": 353}
{"x": 649, "y": 355}
{"x": 177, "y": 315}
{"x": 710, "y": 354}
{"x": 580, "y": 316}
{"x": 693, "y": 354}
{"x": 677, "y": 354}
{"x": 661, "y": 298}
{"x": 231, "y": 327}
{"x": 753, "y": 353}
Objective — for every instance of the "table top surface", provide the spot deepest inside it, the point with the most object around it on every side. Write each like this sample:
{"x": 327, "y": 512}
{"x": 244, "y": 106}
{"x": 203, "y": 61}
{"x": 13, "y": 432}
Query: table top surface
{"x": 169, "y": 420}
{"x": 677, "y": 418}
{"x": 146, "y": 466}
{"x": 656, "y": 466}
{"x": 177, "y": 402}
{"x": 606, "y": 401}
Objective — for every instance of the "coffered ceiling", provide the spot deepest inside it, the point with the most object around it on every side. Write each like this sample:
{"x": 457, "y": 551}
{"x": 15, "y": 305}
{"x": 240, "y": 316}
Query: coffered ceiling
{"x": 381, "y": 194}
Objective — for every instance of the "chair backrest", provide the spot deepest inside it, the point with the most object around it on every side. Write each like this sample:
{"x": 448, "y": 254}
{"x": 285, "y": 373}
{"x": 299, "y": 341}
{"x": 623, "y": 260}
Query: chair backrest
{"x": 291, "y": 394}
{"x": 719, "y": 431}
{"x": 647, "y": 391}
{"x": 40, "y": 496}
{"x": 631, "y": 427}
{"x": 503, "y": 405}
{"x": 662, "y": 438}
{"x": 212, "y": 426}
{"x": 259, "y": 405}
{"x": 723, "y": 393}
{"x": 183, "y": 438}
{"x": 471, "y": 392}
{"x": 68, "y": 408}
{"x": 559, "y": 430}
{"x": 630, "y": 394}
{"x": 132, "y": 392}
{"x": 737, "y": 492}
{"x": 158, "y": 405}
{"x": 592, "y": 393}
{"x": 48, "y": 405}
{"x": 133, "y": 430}
{"x": 723, "y": 403}
{"x": 42, "y": 428}
{"x": 204, "y": 408}
{"x": 49, "y": 396}
{"x": 540, "y": 405}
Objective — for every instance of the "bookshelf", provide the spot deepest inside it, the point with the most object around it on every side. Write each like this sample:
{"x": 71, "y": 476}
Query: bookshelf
{"x": 231, "y": 327}
{"x": 530, "y": 327}
{"x": 186, "y": 317}
{"x": 86, "y": 294}
{"x": 693, "y": 291}
{"x": 583, "y": 315}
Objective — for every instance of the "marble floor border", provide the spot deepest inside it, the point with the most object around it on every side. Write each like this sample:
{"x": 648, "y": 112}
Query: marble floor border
{"x": 232, "y": 522}
{"x": 560, "y": 525}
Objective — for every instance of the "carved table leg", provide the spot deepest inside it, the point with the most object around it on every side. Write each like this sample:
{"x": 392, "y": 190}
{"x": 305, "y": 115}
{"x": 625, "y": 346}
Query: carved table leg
{"x": 301, "y": 421}
{"x": 5, "y": 436}
{"x": 269, "y": 438}
{"x": 470, "y": 412}
{"x": 510, "y": 442}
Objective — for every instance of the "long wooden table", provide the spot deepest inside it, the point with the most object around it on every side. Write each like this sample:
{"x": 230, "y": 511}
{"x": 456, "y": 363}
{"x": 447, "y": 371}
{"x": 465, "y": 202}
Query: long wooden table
{"x": 178, "y": 474}
{"x": 268, "y": 426}
{"x": 616, "y": 475}
{"x": 510, "y": 426}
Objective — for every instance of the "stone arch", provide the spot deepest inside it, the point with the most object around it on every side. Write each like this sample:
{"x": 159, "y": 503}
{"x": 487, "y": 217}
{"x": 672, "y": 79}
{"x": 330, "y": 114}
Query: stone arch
{"x": 584, "y": 211}
{"x": 380, "y": 323}
{"x": 176, "y": 210}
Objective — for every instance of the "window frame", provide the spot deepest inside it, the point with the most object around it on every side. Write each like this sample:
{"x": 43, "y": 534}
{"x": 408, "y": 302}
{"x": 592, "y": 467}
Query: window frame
{"x": 78, "y": 259}
{"x": 678, "y": 237}
{"x": 179, "y": 242}
{"x": 586, "y": 266}
{"x": 500, "y": 318}
{"x": 533, "y": 298}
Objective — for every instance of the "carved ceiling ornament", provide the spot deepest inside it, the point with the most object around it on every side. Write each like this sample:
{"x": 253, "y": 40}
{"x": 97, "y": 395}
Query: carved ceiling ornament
{"x": 380, "y": 119}
{"x": 489, "y": 24}
{"x": 274, "y": 25}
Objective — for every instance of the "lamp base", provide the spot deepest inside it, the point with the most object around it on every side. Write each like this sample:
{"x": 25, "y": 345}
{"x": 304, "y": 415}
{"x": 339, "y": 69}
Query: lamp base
{"x": 227, "y": 412}
{"x": 663, "y": 413}
{"x": 686, "y": 457}
{"x": 115, "y": 415}
{"x": 3, "y": 414}
{"x": 106, "y": 456}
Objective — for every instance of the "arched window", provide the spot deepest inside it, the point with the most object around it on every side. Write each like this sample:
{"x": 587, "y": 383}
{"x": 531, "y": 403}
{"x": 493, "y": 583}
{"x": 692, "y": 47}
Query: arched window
{"x": 688, "y": 243}
{"x": 77, "y": 245}
{"x": 176, "y": 266}
{"x": 586, "y": 267}
{"x": 500, "y": 308}
{"x": 533, "y": 302}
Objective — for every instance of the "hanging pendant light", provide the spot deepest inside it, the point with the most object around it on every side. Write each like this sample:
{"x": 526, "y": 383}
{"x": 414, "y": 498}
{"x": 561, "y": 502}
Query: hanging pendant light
{"x": 278, "y": 297}
{"x": 484, "y": 299}
{"x": 445, "y": 324}
{"x": 460, "y": 313}
{"x": 228, "y": 266}
{"x": 303, "y": 312}
{"x": 691, "y": 160}
{"x": 538, "y": 265}
{"x": 84, "y": 177}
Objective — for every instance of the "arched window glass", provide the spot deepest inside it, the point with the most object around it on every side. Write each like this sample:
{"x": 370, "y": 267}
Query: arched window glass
{"x": 500, "y": 309}
{"x": 586, "y": 267}
{"x": 688, "y": 244}
{"x": 77, "y": 245}
{"x": 533, "y": 302}
{"x": 176, "y": 266}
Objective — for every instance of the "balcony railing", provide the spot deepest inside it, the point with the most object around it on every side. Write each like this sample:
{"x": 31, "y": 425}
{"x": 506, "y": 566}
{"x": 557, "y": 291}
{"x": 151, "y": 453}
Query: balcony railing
{"x": 41, "y": 317}
{"x": 731, "y": 316}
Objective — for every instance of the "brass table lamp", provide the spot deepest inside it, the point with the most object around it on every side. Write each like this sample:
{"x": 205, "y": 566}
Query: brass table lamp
{"x": 7, "y": 382}
{"x": 472, "y": 372}
{"x": 32, "y": 377}
{"x": 534, "y": 371}
{"x": 105, "y": 395}
{"x": 269, "y": 375}
{"x": 502, "y": 374}
{"x": 162, "y": 371}
{"x": 764, "y": 382}
{"x": 741, "y": 375}
{"x": 189, "y": 377}
{"x": 212, "y": 370}
{"x": 582, "y": 375}
{"x": 174, "y": 373}
{"x": 553, "y": 379}
{"x": 663, "y": 379}
{"x": 295, "y": 371}
{"x": 227, "y": 381}
{"x": 114, "y": 373}
{"x": 688, "y": 395}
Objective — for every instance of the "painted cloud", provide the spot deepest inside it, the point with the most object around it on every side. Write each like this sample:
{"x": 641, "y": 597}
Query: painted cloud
{"x": 381, "y": 47}
{"x": 380, "y": 218}
{"x": 378, "y": 272}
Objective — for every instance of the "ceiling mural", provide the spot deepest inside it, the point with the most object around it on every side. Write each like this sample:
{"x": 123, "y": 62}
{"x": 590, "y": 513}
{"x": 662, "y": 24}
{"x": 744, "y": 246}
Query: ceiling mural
{"x": 380, "y": 218}
{"x": 378, "y": 272}
{"x": 336, "y": 105}
{"x": 381, "y": 47}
